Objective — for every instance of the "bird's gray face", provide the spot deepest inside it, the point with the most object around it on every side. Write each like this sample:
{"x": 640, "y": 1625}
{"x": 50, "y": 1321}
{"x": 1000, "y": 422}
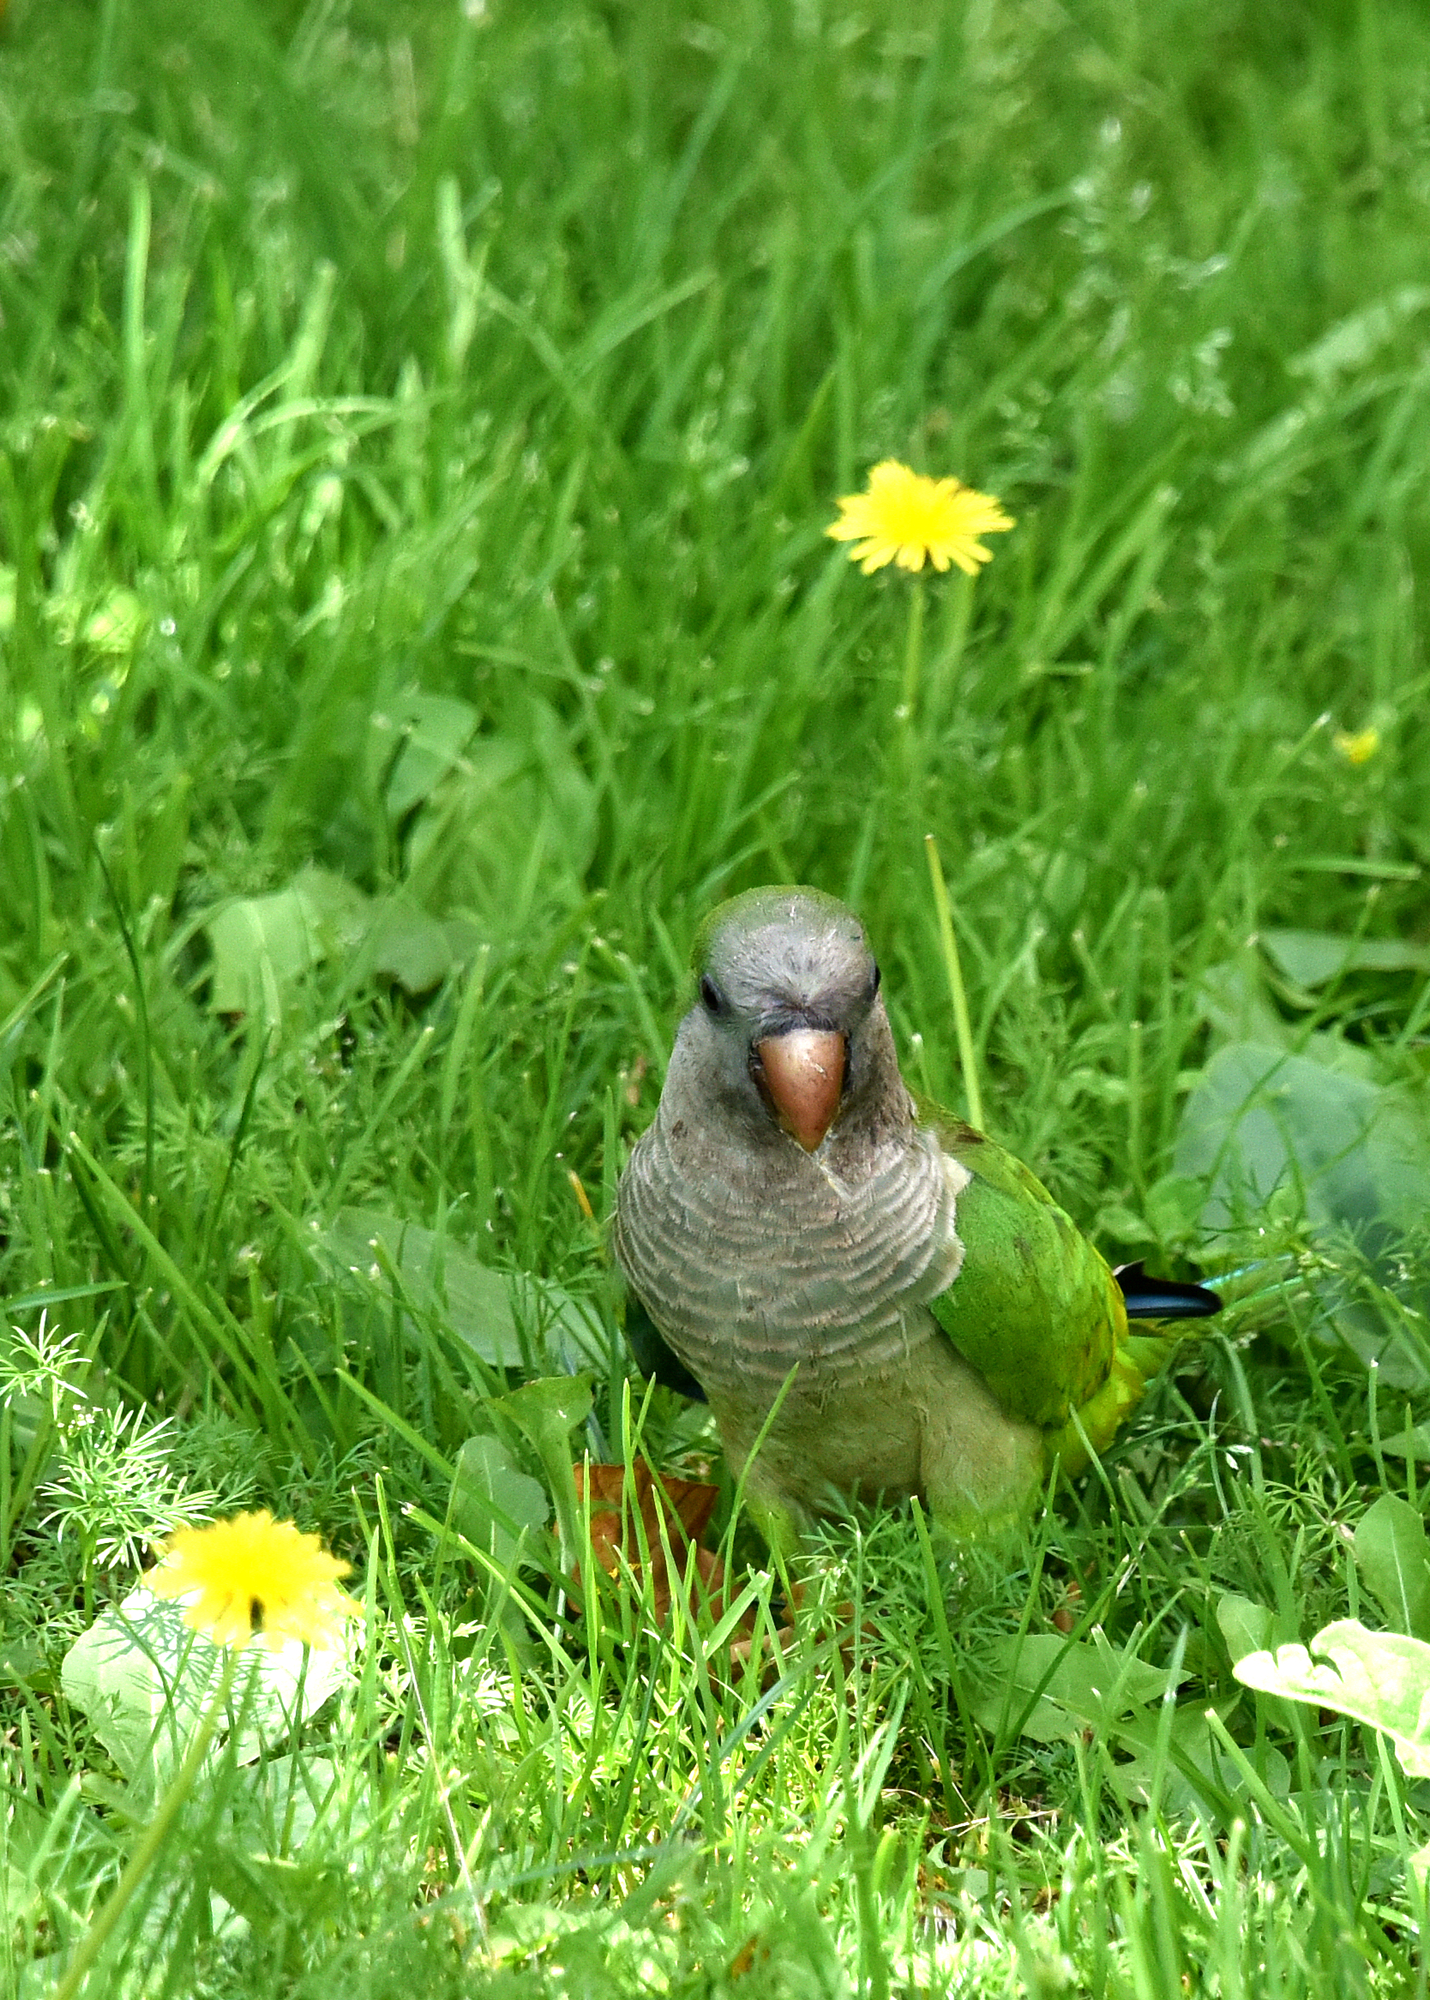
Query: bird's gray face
{"x": 788, "y": 1016}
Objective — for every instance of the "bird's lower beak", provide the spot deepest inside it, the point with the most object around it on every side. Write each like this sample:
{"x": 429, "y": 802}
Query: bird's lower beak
{"x": 803, "y": 1075}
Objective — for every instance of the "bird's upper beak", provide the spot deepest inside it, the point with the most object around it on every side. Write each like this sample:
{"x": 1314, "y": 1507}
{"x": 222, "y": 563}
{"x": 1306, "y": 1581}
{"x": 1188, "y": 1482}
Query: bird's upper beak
{"x": 803, "y": 1074}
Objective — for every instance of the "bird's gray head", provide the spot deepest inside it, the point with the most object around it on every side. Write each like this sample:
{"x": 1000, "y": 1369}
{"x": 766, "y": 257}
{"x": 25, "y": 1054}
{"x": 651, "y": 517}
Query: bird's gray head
{"x": 788, "y": 1026}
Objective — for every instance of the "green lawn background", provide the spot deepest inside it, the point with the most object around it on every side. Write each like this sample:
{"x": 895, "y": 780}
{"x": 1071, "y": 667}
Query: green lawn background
{"x": 417, "y": 432}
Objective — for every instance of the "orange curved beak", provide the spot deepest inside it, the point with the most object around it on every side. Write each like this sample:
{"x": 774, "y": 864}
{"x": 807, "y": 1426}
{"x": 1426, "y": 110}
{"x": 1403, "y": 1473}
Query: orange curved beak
{"x": 804, "y": 1074}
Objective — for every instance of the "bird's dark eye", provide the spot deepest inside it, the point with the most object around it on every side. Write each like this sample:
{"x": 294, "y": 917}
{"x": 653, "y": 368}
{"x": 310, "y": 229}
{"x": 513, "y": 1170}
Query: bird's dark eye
{"x": 874, "y": 983}
{"x": 711, "y": 996}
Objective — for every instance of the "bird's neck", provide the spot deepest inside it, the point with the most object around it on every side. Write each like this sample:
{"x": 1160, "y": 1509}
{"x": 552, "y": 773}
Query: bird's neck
{"x": 719, "y": 1234}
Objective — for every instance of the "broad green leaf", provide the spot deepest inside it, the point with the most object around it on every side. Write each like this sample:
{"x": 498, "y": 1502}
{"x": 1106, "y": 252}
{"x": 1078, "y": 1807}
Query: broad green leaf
{"x": 1413, "y": 1442}
{"x": 402, "y": 942}
{"x": 23, "y": 1660}
{"x": 500, "y": 1509}
{"x": 437, "y": 1276}
{"x": 1174, "y": 1207}
{"x": 1267, "y": 1129}
{"x": 1231, "y": 998}
{"x": 549, "y": 1409}
{"x": 512, "y": 824}
{"x": 1187, "y": 1768}
{"x": 142, "y": 1676}
{"x": 1311, "y": 958}
{"x": 1393, "y": 1558}
{"x": 512, "y": 1319}
{"x": 262, "y": 945}
{"x": 1382, "y": 1678}
{"x": 1089, "y": 1682}
{"x": 1122, "y": 1225}
{"x": 287, "y": 1798}
{"x": 1245, "y": 1626}
{"x": 432, "y": 732}
{"x": 262, "y": 1872}
{"x": 493, "y": 1501}
{"x": 481, "y": 789}
{"x": 1260, "y": 1119}
{"x": 567, "y": 1328}
{"x": 1398, "y": 1150}
{"x": 546, "y": 1412}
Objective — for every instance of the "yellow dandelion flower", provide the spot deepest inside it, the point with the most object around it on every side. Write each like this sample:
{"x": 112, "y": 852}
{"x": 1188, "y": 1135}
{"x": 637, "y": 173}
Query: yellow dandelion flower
{"x": 1356, "y": 746}
{"x": 254, "y": 1574}
{"x": 905, "y": 518}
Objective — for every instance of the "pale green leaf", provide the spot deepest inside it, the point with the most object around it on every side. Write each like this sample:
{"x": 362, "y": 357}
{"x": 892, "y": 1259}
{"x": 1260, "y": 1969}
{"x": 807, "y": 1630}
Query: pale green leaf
{"x": 567, "y": 1328}
{"x": 142, "y": 1676}
{"x": 549, "y": 1409}
{"x": 1380, "y": 1678}
{"x": 512, "y": 1319}
{"x": 1183, "y": 1765}
{"x": 1261, "y": 1119}
{"x": 1314, "y": 1134}
{"x": 287, "y": 1798}
{"x": 513, "y": 822}
{"x": 1231, "y": 998}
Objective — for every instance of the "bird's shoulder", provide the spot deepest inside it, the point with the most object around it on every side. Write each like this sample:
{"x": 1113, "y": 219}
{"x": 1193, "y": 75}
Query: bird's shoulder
{"x": 981, "y": 1156}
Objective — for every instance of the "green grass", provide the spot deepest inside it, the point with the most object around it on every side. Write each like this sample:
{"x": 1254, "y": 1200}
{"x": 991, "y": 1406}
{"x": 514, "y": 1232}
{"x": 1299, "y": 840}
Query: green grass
{"x": 356, "y": 361}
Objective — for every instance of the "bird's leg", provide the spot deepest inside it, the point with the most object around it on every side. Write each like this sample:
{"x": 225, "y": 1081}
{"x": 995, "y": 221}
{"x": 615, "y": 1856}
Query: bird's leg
{"x": 767, "y": 1471}
{"x": 781, "y": 1518}
{"x": 981, "y": 1470}
{"x": 782, "y": 1525}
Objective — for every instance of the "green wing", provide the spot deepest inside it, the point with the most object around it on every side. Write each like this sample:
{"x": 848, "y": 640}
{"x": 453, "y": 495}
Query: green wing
{"x": 1035, "y": 1308}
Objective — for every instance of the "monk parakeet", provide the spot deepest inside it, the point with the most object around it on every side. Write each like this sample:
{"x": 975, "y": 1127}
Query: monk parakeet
{"x": 793, "y": 1207}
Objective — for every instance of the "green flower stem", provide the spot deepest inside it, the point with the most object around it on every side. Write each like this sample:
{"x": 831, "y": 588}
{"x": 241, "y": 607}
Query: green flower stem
{"x": 913, "y": 654}
{"x": 151, "y": 1840}
{"x": 943, "y": 673}
{"x": 966, "y": 1059}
